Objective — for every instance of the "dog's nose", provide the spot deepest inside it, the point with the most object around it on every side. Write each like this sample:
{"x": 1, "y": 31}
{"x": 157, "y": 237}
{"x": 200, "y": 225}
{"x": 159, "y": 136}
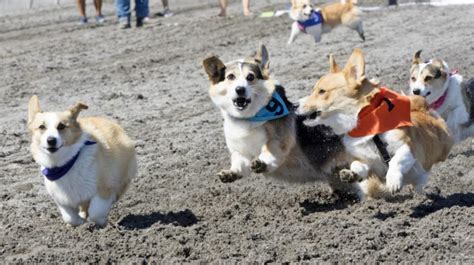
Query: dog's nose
{"x": 416, "y": 91}
{"x": 240, "y": 90}
{"x": 51, "y": 141}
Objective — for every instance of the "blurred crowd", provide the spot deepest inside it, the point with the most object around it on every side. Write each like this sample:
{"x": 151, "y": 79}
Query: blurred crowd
{"x": 142, "y": 12}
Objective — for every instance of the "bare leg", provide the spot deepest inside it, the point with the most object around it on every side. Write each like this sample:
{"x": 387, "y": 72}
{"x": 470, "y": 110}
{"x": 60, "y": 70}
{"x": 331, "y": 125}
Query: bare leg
{"x": 223, "y": 5}
{"x": 81, "y": 5}
{"x": 98, "y": 7}
{"x": 165, "y": 4}
{"x": 246, "y": 7}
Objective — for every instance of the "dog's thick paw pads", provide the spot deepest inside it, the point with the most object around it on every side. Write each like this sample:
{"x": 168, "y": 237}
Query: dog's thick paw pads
{"x": 227, "y": 176}
{"x": 258, "y": 166}
{"x": 349, "y": 176}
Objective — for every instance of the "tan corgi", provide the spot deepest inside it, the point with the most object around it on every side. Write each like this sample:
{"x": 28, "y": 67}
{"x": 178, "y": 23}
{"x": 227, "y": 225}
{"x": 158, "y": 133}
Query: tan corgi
{"x": 87, "y": 163}
{"x": 394, "y": 137}
{"x": 317, "y": 21}
{"x": 445, "y": 93}
{"x": 262, "y": 132}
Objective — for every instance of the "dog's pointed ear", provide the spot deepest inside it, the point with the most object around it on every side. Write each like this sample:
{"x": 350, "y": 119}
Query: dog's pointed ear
{"x": 214, "y": 68}
{"x": 333, "y": 67}
{"x": 263, "y": 59}
{"x": 417, "y": 58}
{"x": 33, "y": 108}
{"x": 76, "y": 109}
{"x": 355, "y": 67}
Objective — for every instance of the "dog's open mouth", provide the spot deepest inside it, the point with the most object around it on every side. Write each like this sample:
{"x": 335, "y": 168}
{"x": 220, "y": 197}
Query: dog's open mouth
{"x": 313, "y": 115}
{"x": 242, "y": 103}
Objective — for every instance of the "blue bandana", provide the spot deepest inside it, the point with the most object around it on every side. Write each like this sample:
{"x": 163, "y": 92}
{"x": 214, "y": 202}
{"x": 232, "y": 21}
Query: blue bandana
{"x": 314, "y": 19}
{"x": 56, "y": 173}
{"x": 275, "y": 109}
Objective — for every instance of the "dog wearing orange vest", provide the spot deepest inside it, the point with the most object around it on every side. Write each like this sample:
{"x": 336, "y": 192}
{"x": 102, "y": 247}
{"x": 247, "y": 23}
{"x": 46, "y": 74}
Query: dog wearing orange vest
{"x": 393, "y": 137}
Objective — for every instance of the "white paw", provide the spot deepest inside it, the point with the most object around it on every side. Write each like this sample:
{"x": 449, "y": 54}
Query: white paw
{"x": 394, "y": 182}
{"x": 98, "y": 220}
{"x": 73, "y": 221}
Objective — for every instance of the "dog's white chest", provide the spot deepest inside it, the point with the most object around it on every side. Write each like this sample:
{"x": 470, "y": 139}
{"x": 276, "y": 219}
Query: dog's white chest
{"x": 79, "y": 184}
{"x": 245, "y": 137}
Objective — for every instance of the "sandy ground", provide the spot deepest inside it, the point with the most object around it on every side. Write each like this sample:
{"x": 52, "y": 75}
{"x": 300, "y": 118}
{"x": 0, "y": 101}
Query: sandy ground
{"x": 150, "y": 80}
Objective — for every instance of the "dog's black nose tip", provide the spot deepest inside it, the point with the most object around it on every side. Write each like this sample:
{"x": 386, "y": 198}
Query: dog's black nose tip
{"x": 51, "y": 141}
{"x": 416, "y": 91}
{"x": 240, "y": 90}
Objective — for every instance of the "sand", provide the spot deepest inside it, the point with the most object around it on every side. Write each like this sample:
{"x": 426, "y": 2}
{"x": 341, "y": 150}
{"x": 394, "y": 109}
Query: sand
{"x": 150, "y": 80}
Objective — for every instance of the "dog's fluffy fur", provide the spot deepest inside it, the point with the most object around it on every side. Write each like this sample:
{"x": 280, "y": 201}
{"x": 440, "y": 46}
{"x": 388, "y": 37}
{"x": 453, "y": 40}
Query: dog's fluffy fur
{"x": 337, "y": 99}
{"x": 333, "y": 15}
{"x": 101, "y": 172}
{"x": 283, "y": 148}
{"x": 431, "y": 80}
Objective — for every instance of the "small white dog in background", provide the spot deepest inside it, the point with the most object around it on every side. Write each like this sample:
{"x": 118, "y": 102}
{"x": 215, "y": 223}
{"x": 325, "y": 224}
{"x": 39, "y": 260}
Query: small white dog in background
{"x": 444, "y": 93}
{"x": 86, "y": 163}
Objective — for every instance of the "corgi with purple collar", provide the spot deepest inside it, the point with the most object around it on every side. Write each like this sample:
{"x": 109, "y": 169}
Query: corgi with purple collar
{"x": 317, "y": 21}
{"x": 445, "y": 93}
{"x": 86, "y": 163}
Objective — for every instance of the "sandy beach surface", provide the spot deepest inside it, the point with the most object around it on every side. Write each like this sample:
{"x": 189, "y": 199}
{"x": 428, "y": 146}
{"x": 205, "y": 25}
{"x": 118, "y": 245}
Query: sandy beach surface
{"x": 151, "y": 81}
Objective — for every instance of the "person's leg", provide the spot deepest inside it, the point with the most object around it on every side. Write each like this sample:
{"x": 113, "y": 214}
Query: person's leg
{"x": 166, "y": 10}
{"x": 98, "y": 7}
{"x": 142, "y": 11}
{"x": 246, "y": 7}
{"x": 123, "y": 12}
{"x": 223, "y": 5}
{"x": 81, "y": 6}
{"x": 165, "y": 4}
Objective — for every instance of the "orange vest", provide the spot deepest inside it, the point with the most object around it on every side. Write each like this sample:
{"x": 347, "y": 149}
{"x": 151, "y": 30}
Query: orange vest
{"x": 386, "y": 111}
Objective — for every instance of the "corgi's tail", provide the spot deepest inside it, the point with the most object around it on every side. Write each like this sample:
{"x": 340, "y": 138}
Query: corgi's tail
{"x": 376, "y": 188}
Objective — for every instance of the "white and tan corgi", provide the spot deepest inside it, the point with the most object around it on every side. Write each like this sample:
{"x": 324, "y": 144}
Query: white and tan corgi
{"x": 317, "y": 21}
{"x": 87, "y": 163}
{"x": 445, "y": 93}
{"x": 394, "y": 137}
{"x": 262, "y": 132}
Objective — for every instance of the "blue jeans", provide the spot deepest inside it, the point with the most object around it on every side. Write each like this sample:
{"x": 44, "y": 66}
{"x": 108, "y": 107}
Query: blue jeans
{"x": 123, "y": 8}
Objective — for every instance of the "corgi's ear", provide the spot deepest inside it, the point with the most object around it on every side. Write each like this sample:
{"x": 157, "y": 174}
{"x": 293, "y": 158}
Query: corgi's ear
{"x": 355, "y": 67}
{"x": 333, "y": 67}
{"x": 76, "y": 109}
{"x": 215, "y": 69}
{"x": 263, "y": 59}
{"x": 33, "y": 108}
{"x": 417, "y": 58}
{"x": 293, "y": 2}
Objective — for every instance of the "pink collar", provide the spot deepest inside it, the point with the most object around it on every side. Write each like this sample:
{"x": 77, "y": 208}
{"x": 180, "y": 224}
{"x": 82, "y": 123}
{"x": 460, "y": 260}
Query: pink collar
{"x": 437, "y": 104}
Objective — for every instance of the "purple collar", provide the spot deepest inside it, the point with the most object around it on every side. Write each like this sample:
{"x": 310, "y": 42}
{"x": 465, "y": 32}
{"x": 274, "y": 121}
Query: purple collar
{"x": 437, "y": 104}
{"x": 314, "y": 19}
{"x": 56, "y": 173}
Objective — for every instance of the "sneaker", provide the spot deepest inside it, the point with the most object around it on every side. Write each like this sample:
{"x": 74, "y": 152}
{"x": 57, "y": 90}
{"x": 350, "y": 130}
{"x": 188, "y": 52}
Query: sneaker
{"x": 99, "y": 19}
{"x": 142, "y": 20}
{"x": 83, "y": 21}
{"x": 166, "y": 13}
{"x": 124, "y": 23}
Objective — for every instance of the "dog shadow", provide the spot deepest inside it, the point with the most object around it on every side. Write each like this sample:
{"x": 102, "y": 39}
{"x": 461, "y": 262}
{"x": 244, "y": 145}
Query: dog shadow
{"x": 336, "y": 202}
{"x": 439, "y": 202}
{"x": 142, "y": 221}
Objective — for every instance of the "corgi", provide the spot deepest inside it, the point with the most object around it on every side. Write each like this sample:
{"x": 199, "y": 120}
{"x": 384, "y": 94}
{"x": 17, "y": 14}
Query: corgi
{"x": 394, "y": 137}
{"x": 317, "y": 21}
{"x": 262, "y": 132}
{"x": 86, "y": 163}
{"x": 445, "y": 93}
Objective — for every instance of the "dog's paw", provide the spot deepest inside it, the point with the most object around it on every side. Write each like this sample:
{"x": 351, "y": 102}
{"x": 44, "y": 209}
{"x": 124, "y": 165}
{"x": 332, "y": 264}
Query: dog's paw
{"x": 349, "y": 176}
{"x": 258, "y": 166}
{"x": 227, "y": 176}
{"x": 394, "y": 182}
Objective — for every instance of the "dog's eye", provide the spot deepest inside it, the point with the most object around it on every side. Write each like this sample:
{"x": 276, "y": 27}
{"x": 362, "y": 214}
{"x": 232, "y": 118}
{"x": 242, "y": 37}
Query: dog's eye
{"x": 321, "y": 91}
{"x": 304, "y": 6}
{"x": 413, "y": 79}
{"x": 250, "y": 77}
{"x": 231, "y": 77}
{"x": 61, "y": 127}
{"x": 428, "y": 78}
{"x": 42, "y": 127}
